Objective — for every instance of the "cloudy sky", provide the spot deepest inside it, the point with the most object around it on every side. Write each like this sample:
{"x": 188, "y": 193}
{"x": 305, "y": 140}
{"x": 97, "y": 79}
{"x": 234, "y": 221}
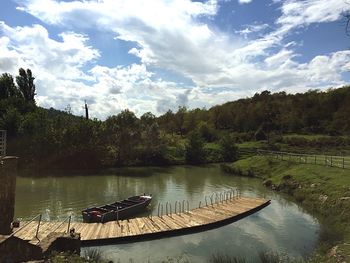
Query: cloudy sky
{"x": 155, "y": 55}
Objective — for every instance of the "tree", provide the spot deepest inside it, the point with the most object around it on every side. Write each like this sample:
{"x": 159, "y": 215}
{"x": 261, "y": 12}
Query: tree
{"x": 207, "y": 132}
{"x": 7, "y": 86}
{"x": 195, "y": 152}
{"x": 179, "y": 119}
{"x": 123, "y": 131}
{"x": 228, "y": 148}
{"x": 25, "y": 82}
{"x": 147, "y": 119}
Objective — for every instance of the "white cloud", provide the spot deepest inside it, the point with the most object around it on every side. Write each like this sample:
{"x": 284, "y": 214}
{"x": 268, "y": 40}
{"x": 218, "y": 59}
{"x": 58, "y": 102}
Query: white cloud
{"x": 302, "y": 13}
{"x": 255, "y": 28}
{"x": 32, "y": 47}
{"x": 244, "y": 1}
{"x": 168, "y": 35}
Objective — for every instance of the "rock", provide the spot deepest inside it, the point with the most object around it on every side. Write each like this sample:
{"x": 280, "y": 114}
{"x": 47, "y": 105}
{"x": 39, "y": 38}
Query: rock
{"x": 287, "y": 177}
{"x": 336, "y": 254}
{"x": 323, "y": 198}
{"x": 344, "y": 198}
{"x": 267, "y": 183}
{"x": 333, "y": 251}
{"x": 313, "y": 185}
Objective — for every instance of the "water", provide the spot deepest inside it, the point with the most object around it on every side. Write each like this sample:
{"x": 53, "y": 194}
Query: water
{"x": 282, "y": 227}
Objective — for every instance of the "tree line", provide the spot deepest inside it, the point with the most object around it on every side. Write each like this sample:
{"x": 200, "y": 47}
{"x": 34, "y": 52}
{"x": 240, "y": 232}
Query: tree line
{"x": 48, "y": 138}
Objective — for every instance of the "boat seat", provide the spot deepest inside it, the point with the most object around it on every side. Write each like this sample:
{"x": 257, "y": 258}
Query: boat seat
{"x": 113, "y": 207}
{"x": 125, "y": 203}
{"x": 132, "y": 201}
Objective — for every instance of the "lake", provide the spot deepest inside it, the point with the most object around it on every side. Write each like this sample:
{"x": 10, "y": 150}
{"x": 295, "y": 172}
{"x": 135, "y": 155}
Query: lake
{"x": 281, "y": 227}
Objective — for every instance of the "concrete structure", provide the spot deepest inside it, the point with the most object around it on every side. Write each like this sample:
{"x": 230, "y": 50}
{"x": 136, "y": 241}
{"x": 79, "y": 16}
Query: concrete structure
{"x": 8, "y": 173}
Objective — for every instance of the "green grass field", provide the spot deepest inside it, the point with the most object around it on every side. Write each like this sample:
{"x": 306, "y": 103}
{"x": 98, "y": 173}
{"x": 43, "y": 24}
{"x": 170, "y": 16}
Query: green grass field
{"x": 323, "y": 191}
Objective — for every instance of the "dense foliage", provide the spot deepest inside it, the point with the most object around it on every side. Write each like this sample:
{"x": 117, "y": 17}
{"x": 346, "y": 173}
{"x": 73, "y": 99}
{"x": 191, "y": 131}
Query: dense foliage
{"x": 52, "y": 138}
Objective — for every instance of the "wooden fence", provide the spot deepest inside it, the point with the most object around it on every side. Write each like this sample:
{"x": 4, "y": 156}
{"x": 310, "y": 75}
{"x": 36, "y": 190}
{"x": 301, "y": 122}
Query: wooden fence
{"x": 326, "y": 160}
{"x": 2, "y": 143}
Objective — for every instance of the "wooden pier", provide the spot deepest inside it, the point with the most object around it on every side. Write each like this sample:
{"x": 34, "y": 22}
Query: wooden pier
{"x": 207, "y": 216}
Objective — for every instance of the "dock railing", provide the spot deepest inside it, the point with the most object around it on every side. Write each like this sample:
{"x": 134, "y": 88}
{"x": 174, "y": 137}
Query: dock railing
{"x": 316, "y": 159}
{"x": 38, "y": 218}
{"x": 2, "y": 143}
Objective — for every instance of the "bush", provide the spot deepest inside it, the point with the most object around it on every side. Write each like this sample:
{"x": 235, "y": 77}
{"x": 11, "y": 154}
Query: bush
{"x": 195, "y": 152}
{"x": 228, "y": 149}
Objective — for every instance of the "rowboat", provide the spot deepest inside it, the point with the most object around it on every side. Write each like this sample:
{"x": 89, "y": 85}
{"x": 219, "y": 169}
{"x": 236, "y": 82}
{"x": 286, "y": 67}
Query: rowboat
{"x": 119, "y": 210}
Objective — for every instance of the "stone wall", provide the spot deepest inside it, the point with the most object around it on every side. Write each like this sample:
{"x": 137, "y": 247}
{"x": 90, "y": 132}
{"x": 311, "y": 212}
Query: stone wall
{"x": 8, "y": 173}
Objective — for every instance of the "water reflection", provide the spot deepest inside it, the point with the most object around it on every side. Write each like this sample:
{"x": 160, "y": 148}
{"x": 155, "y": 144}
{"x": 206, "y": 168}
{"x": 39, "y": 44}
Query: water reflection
{"x": 281, "y": 227}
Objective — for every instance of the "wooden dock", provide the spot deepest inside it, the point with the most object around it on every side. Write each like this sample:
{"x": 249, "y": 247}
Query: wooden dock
{"x": 205, "y": 217}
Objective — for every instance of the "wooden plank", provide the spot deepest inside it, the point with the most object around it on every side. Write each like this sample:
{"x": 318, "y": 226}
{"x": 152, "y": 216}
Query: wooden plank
{"x": 170, "y": 223}
{"x": 217, "y": 212}
{"x": 123, "y": 228}
{"x": 173, "y": 222}
{"x": 115, "y": 231}
{"x": 159, "y": 223}
{"x": 149, "y": 224}
{"x": 140, "y": 226}
{"x": 192, "y": 221}
{"x": 136, "y": 226}
{"x": 132, "y": 227}
{"x": 91, "y": 231}
{"x": 29, "y": 231}
{"x": 205, "y": 219}
{"x": 102, "y": 231}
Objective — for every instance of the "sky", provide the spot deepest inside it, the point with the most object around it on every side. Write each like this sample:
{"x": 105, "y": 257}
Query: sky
{"x": 156, "y": 55}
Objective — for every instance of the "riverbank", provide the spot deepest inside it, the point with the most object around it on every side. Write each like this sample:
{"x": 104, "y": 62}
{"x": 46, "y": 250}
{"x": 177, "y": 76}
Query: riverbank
{"x": 322, "y": 191}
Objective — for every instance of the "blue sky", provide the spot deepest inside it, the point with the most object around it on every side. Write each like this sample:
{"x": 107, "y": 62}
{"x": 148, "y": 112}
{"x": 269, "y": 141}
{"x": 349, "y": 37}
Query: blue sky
{"x": 160, "y": 54}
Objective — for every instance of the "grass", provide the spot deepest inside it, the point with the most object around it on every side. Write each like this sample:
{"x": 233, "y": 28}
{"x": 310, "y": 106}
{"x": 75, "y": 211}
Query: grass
{"x": 89, "y": 256}
{"x": 321, "y": 190}
{"x": 307, "y": 136}
{"x": 94, "y": 256}
{"x": 252, "y": 144}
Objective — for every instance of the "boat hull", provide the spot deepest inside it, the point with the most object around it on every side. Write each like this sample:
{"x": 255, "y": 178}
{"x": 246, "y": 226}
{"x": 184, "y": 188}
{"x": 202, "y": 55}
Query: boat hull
{"x": 94, "y": 215}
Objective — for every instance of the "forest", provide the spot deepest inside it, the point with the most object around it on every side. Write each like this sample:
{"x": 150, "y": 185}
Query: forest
{"x": 49, "y": 138}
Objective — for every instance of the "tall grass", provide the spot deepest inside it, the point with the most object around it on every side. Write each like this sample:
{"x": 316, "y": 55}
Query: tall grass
{"x": 263, "y": 257}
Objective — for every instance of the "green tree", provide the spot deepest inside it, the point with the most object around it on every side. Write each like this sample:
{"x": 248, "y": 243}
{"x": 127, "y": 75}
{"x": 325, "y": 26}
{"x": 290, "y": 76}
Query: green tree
{"x": 25, "y": 82}
{"x": 207, "y": 132}
{"x": 147, "y": 119}
{"x": 10, "y": 121}
{"x": 228, "y": 148}
{"x": 195, "y": 152}
{"x": 124, "y": 132}
{"x": 179, "y": 119}
{"x": 7, "y": 87}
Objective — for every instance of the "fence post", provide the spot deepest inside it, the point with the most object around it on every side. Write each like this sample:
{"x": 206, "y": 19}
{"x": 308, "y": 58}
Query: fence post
{"x": 315, "y": 159}
{"x": 331, "y": 161}
{"x": 343, "y": 163}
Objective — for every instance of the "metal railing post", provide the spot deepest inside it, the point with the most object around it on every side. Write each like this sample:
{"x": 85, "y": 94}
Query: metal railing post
{"x": 37, "y": 230}
{"x": 70, "y": 218}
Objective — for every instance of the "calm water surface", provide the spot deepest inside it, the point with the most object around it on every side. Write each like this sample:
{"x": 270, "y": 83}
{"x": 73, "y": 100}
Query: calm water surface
{"x": 281, "y": 227}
